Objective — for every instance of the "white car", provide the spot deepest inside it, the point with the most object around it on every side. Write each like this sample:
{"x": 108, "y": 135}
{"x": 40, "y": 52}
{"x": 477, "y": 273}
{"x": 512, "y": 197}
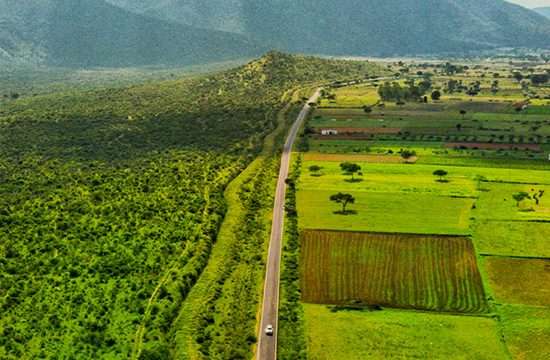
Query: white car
{"x": 269, "y": 330}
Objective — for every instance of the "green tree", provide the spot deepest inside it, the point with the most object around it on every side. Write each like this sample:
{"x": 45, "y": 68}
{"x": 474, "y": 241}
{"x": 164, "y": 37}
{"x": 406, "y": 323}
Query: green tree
{"x": 539, "y": 79}
{"x": 315, "y": 170}
{"x": 436, "y": 95}
{"x": 520, "y": 197}
{"x": 350, "y": 169}
{"x": 407, "y": 154}
{"x": 440, "y": 174}
{"x": 344, "y": 200}
{"x": 518, "y": 76}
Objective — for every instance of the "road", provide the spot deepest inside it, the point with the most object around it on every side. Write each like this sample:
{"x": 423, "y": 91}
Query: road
{"x": 267, "y": 345}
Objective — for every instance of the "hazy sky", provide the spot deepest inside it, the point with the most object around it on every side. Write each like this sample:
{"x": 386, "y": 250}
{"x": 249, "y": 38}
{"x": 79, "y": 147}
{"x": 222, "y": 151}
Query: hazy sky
{"x": 531, "y": 3}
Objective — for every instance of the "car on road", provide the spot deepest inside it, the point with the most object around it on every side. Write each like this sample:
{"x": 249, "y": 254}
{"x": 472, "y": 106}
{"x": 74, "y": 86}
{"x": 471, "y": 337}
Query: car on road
{"x": 269, "y": 330}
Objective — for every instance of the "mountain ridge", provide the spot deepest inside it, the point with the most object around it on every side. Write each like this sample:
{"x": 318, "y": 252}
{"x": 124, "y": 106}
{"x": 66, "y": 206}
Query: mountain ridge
{"x": 372, "y": 27}
{"x": 544, "y": 11}
{"x": 122, "y": 33}
{"x": 85, "y": 33}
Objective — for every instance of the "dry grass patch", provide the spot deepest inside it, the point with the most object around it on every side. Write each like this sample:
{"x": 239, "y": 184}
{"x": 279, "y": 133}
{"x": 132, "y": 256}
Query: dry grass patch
{"x": 519, "y": 281}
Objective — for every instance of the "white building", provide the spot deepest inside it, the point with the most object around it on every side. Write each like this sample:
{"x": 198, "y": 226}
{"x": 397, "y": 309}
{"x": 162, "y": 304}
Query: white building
{"x": 327, "y": 132}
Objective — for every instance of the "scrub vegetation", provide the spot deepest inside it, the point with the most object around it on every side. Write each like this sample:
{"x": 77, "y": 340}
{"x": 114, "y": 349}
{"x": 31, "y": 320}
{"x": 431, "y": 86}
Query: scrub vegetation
{"x": 110, "y": 205}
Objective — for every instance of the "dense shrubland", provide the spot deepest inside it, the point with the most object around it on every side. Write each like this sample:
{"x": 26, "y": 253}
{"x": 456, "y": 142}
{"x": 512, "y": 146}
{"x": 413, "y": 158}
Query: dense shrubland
{"x": 111, "y": 201}
{"x": 292, "y": 334}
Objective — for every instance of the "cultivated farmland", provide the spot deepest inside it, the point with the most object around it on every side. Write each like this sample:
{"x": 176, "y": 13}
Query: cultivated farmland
{"x": 396, "y": 270}
{"x": 519, "y": 281}
{"x": 340, "y": 334}
{"x": 488, "y": 135}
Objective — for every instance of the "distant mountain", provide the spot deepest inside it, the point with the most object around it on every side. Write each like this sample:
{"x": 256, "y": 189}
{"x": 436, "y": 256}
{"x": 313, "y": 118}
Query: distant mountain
{"x": 224, "y": 15}
{"x": 545, "y": 11}
{"x": 362, "y": 27}
{"x": 90, "y": 33}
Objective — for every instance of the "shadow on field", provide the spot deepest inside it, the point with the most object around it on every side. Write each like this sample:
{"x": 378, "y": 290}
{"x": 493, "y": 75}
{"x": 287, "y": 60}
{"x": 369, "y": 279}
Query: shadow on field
{"x": 355, "y": 307}
{"x": 347, "y": 212}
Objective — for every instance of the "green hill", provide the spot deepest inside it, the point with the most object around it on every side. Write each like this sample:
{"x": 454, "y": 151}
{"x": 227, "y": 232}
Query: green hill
{"x": 92, "y": 33}
{"x": 366, "y": 27}
{"x": 110, "y": 198}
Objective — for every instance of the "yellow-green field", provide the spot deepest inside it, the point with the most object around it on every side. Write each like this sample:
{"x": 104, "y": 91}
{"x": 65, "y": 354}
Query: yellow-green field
{"x": 526, "y": 331}
{"x": 394, "y": 334}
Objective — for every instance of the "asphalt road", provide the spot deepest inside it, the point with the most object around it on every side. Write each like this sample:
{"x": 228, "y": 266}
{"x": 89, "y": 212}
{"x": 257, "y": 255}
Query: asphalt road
{"x": 267, "y": 345}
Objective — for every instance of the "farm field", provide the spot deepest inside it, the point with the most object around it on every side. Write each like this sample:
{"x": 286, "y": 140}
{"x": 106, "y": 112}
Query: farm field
{"x": 394, "y": 270}
{"x": 391, "y": 212}
{"x": 519, "y": 281}
{"x": 396, "y": 334}
{"x": 526, "y": 331}
{"x": 512, "y": 238}
{"x": 369, "y": 163}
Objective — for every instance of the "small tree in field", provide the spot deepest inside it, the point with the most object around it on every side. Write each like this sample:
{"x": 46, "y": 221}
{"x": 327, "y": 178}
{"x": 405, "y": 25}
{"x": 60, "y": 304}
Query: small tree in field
{"x": 441, "y": 174}
{"x": 367, "y": 109}
{"x": 463, "y": 113}
{"x": 520, "y": 197}
{"x": 350, "y": 169}
{"x": 314, "y": 169}
{"x": 344, "y": 200}
{"x": 407, "y": 154}
{"x": 436, "y": 95}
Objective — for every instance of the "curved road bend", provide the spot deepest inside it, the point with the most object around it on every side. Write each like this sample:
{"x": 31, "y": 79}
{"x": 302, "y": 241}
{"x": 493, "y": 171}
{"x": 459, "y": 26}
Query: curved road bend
{"x": 267, "y": 345}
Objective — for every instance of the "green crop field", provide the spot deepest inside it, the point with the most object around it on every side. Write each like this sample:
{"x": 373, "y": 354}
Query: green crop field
{"x": 394, "y": 334}
{"x": 395, "y": 270}
{"x": 526, "y": 331}
{"x": 391, "y": 212}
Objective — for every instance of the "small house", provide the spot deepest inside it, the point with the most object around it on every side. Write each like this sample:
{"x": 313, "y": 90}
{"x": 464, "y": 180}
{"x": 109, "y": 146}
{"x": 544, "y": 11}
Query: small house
{"x": 328, "y": 132}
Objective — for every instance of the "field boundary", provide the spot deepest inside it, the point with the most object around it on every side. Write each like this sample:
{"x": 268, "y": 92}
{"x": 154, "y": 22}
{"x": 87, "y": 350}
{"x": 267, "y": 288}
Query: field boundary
{"x": 516, "y": 257}
{"x": 390, "y": 233}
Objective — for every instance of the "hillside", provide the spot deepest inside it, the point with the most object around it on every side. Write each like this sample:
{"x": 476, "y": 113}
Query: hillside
{"x": 107, "y": 194}
{"x": 545, "y": 11}
{"x": 85, "y": 33}
{"x": 371, "y": 27}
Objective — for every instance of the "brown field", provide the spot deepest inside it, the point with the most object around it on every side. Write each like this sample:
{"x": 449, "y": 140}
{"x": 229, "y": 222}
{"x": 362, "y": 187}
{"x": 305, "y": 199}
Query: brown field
{"x": 493, "y": 146}
{"x": 395, "y": 270}
{"x": 342, "y": 137}
{"x": 519, "y": 281}
{"x": 384, "y": 159}
{"x": 369, "y": 130}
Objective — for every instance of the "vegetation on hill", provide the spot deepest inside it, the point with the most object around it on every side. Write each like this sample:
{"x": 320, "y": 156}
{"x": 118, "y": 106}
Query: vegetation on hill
{"x": 373, "y": 27}
{"x": 111, "y": 200}
{"x": 82, "y": 33}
